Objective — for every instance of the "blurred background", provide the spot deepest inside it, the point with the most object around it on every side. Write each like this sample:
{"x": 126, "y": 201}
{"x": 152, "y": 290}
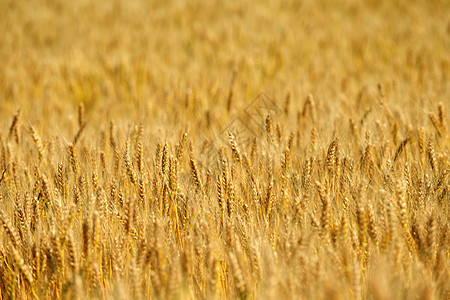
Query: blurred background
{"x": 151, "y": 58}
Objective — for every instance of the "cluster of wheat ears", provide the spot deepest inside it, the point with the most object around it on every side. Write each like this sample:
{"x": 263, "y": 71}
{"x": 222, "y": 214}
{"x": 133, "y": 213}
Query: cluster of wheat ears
{"x": 283, "y": 217}
{"x": 130, "y": 167}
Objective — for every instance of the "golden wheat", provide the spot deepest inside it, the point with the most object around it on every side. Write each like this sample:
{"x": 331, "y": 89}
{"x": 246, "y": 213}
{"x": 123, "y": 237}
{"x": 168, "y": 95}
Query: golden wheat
{"x": 224, "y": 150}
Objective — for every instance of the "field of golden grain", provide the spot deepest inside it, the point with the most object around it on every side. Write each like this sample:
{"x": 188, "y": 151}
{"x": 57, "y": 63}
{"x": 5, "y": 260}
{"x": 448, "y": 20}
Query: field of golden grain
{"x": 224, "y": 149}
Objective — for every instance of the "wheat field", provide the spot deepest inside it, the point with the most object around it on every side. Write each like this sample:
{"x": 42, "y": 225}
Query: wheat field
{"x": 224, "y": 149}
